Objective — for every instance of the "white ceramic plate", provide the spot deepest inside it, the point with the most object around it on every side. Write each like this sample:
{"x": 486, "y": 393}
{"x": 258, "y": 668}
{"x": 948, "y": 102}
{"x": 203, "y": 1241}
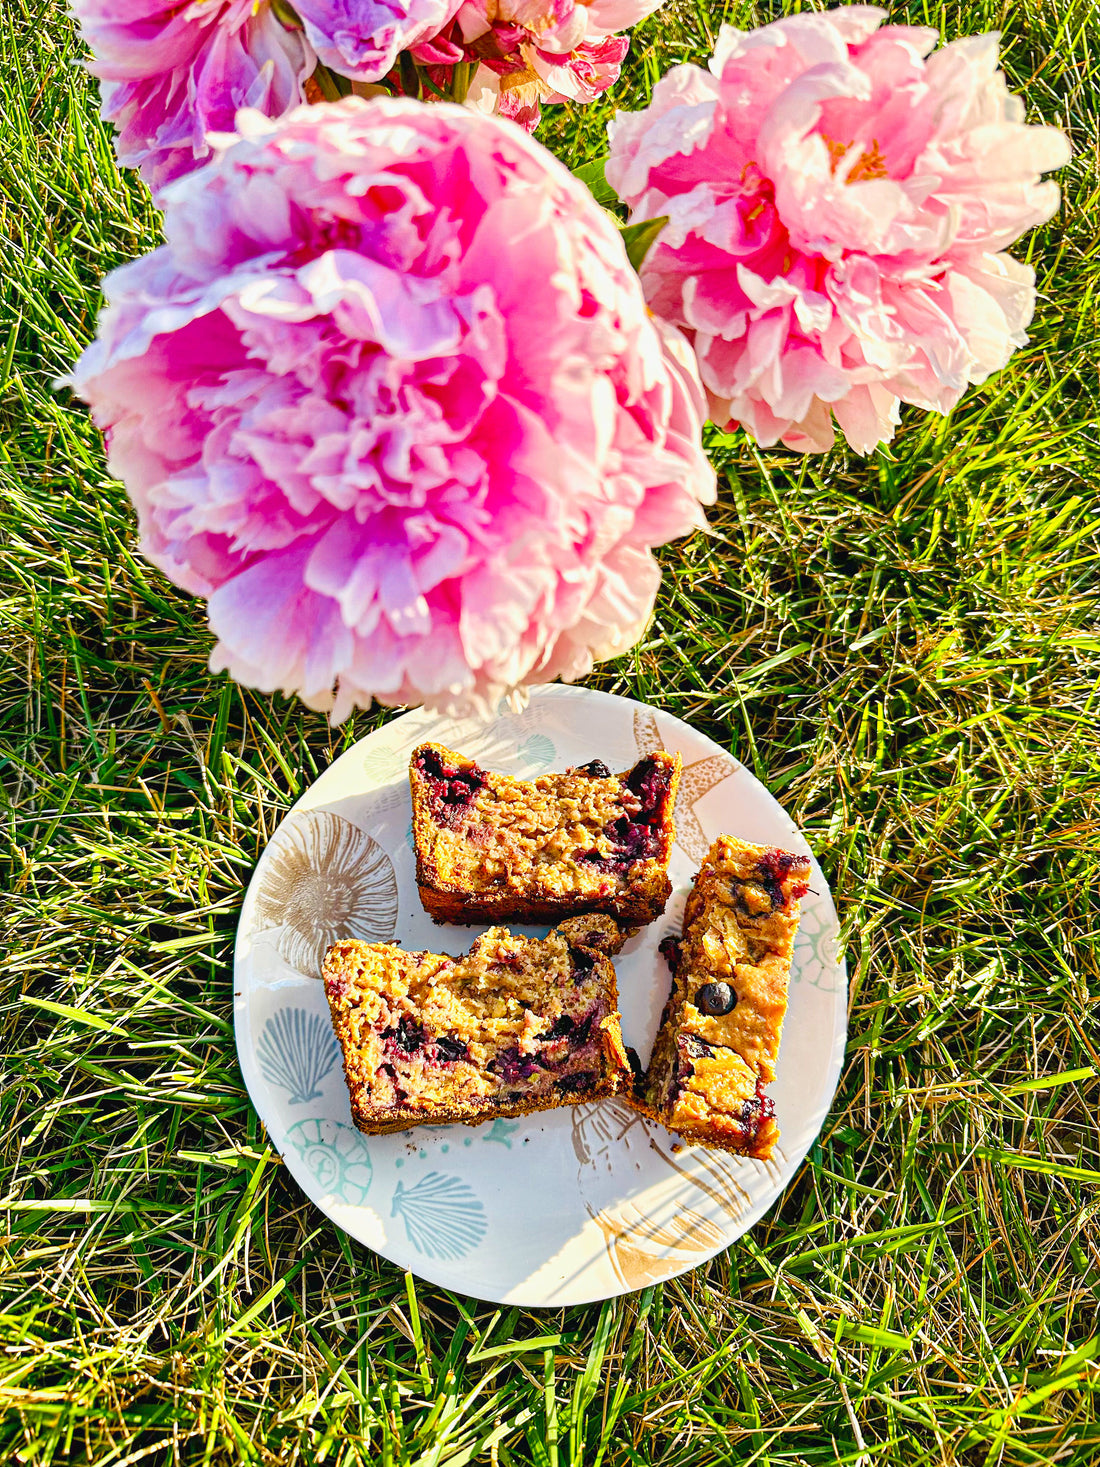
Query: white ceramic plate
{"x": 559, "y": 1208}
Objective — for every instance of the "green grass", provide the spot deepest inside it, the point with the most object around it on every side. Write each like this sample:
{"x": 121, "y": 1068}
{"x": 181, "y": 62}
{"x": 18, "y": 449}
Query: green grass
{"x": 907, "y": 651}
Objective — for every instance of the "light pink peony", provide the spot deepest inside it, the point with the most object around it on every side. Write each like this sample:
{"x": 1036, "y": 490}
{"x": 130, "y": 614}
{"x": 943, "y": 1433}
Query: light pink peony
{"x": 839, "y": 203}
{"x": 173, "y": 72}
{"x": 170, "y": 73}
{"x": 391, "y": 398}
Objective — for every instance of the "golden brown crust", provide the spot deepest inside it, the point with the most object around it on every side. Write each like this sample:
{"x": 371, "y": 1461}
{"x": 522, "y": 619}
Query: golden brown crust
{"x": 709, "y": 1067}
{"x": 518, "y": 1024}
{"x": 492, "y": 848}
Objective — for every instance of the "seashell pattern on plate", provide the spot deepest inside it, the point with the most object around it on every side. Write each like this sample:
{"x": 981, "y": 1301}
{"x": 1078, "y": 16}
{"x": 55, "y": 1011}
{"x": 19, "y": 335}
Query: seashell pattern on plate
{"x": 336, "y": 1156}
{"x": 295, "y": 1051}
{"x": 712, "y": 1172}
{"x": 697, "y": 780}
{"x": 643, "y": 1252}
{"x": 602, "y": 1133}
{"x": 815, "y": 948}
{"x": 537, "y": 751}
{"x": 501, "y": 1131}
{"x": 442, "y": 1216}
{"x": 324, "y": 880}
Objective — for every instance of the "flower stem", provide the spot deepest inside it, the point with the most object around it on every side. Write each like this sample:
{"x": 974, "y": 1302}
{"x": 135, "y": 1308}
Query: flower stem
{"x": 331, "y": 86}
{"x": 461, "y": 76}
{"x": 410, "y": 75}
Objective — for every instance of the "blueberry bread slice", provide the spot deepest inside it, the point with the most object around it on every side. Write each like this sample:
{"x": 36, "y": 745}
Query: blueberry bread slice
{"x": 518, "y": 1024}
{"x": 719, "y": 1037}
{"x": 492, "y": 848}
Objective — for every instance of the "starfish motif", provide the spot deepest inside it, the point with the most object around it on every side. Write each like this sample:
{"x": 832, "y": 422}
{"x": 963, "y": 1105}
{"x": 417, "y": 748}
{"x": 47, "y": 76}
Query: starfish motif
{"x": 696, "y": 781}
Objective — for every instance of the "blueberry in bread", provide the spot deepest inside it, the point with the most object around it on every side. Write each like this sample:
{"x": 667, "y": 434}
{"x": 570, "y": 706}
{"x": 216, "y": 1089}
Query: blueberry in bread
{"x": 518, "y": 1024}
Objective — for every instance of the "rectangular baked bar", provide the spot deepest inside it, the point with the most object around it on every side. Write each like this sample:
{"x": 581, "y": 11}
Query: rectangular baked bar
{"x": 720, "y": 1030}
{"x": 516, "y": 1025}
{"x": 492, "y": 848}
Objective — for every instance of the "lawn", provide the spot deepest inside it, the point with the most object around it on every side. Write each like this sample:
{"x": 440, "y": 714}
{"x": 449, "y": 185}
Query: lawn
{"x": 905, "y": 649}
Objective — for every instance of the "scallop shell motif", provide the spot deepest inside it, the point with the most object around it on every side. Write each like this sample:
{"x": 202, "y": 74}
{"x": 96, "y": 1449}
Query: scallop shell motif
{"x": 815, "y": 950}
{"x": 539, "y": 751}
{"x": 442, "y": 1216}
{"x": 384, "y": 766}
{"x": 324, "y": 880}
{"x": 601, "y": 1132}
{"x": 713, "y": 1172}
{"x": 296, "y": 1051}
{"x": 335, "y": 1156}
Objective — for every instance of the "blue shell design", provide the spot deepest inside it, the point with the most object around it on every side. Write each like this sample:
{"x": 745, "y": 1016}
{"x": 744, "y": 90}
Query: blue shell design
{"x": 296, "y": 1051}
{"x": 815, "y": 952}
{"x": 442, "y": 1216}
{"x": 500, "y": 1130}
{"x": 539, "y": 751}
{"x": 336, "y": 1156}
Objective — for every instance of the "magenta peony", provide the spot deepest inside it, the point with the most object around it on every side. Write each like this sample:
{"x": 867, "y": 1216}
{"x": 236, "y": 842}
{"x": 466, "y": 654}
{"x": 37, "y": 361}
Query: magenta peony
{"x": 527, "y": 52}
{"x": 170, "y": 73}
{"x": 173, "y": 71}
{"x": 390, "y": 397}
{"x": 362, "y": 39}
{"x": 839, "y": 202}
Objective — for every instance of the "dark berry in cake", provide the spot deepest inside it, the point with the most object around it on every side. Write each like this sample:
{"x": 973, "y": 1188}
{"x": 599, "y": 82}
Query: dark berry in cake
{"x": 715, "y": 999}
{"x": 451, "y": 787}
{"x": 450, "y": 1051}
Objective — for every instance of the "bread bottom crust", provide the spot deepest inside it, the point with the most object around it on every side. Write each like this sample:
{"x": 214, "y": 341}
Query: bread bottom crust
{"x": 629, "y": 909}
{"x": 502, "y": 1110}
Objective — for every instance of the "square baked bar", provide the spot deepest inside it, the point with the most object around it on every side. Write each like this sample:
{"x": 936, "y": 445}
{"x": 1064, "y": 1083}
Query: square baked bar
{"x": 720, "y": 1030}
{"x": 516, "y": 1025}
{"x": 492, "y": 848}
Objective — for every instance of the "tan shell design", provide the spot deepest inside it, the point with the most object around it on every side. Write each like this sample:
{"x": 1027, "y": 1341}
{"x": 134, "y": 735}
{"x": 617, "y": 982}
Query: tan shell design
{"x": 713, "y": 1172}
{"x": 599, "y": 1132}
{"x": 640, "y": 1251}
{"x": 696, "y": 781}
{"x": 324, "y": 880}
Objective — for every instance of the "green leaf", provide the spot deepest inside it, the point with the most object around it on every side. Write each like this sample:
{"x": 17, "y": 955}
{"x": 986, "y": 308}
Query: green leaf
{"x": 286, "y": 15}
{"x": 591, "y": 174}
{"x": 66, "y": 1011}
{"x": 639, "y": 237}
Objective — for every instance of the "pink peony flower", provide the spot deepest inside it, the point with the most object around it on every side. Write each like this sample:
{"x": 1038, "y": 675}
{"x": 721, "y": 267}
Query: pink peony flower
{"x": 170, "y": 73}
{"x": 839, "y": 204}
{"x": 391, "y": 398}
{"x": 534, "y": 51}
